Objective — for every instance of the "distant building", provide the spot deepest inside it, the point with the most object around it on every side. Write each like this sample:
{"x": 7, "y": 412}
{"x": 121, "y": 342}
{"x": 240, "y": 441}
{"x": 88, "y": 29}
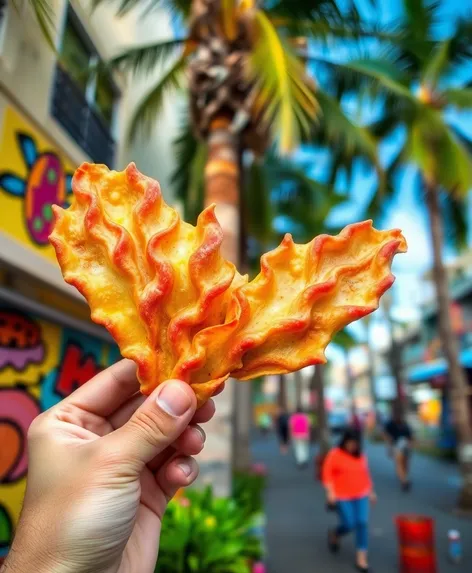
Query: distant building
{"x": 422, "y": 355}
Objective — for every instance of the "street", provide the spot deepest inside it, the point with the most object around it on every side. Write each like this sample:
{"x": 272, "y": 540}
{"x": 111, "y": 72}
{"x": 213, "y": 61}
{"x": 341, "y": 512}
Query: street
{"x": 297, "y": 521}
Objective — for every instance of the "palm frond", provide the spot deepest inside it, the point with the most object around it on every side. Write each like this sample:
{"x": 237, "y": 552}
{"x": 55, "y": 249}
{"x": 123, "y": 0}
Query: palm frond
{"x": 285, "y": 97}
{"x": 384, "y": 126}
{"x": 348, "y": 140}
{"x": 421, "y": 17}
{"x": 145, "y": 59}
{"x": 436, "y": 65}
{"x": 458, "y": 97}
{"x": 309, "y": 202}
{"x": 372, "y": 75}
{"x": 340, "y": 131}
{"x": 291, "y": 10}
{"x": 259, "y": 209}
{"x": 433, "y": 146}
{"x": 44, "y": 14}
{"x": 344, "y": 339}
{"x": 188, "y": 176}
{"x": 177, "y": 9}
{"x": 460, "y": 51}
{"x": 149, "y": 108}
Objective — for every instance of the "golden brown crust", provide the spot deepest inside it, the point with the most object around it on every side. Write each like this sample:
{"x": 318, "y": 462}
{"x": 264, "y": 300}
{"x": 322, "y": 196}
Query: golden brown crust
{"x": 178, "y": 309}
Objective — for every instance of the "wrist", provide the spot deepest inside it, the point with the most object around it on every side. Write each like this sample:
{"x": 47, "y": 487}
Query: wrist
{"x": 27, "y": 560}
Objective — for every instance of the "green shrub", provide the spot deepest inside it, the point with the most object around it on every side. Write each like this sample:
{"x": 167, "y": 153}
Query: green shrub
{"x": 248, "y": 492}
{"x": 205, "y": 534}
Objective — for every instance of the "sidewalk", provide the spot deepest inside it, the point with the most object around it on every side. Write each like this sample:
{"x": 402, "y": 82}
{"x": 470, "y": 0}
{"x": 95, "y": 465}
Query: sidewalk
{"x": 297, "y": 522}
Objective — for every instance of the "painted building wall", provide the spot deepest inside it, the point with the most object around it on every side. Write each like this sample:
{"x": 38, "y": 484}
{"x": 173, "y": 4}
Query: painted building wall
{"x": 40, "y": 363}
{"x": 37, "y": 157}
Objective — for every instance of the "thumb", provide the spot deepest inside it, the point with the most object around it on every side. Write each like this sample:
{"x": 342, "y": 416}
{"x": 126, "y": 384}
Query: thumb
{"x": 156, "y": 424}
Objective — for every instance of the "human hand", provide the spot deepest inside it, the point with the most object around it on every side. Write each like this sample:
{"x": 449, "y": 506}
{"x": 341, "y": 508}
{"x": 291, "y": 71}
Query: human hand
{"x": 331, "y": 498}
{"x": 103, "y": 464}
{"x": 373, "y": 498}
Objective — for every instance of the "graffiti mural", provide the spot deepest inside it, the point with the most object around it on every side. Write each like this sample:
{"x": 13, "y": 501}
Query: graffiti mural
{"x": 45, "y": 185}
{"x": 33, "y": 177}
{"x": 40, "y": 364}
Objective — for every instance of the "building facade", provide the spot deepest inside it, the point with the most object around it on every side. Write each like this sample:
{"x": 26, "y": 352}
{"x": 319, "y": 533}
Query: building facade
{"x": 56, "y": 111}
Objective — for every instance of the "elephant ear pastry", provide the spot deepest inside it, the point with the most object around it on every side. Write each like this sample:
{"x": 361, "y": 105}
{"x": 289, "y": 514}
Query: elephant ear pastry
{"x": 179, "y": 310}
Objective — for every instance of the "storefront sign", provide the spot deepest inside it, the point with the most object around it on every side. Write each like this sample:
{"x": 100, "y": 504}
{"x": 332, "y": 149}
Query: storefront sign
{"x": 40, "y": 364}
{"x": 34, "y": 175}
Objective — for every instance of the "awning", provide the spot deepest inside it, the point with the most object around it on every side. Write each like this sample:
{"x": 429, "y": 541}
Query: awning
{"x": 428, "y": 370}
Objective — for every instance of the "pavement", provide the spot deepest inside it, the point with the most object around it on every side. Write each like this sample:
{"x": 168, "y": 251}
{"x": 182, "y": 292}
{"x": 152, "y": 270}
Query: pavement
{"x": 297, "y": 521}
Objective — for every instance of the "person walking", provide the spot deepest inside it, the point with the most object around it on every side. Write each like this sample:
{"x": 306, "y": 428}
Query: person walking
{"x": 399, "y": 439}
{"x": 282, "y": 430}
{"x": 349, "y": 489}
{"x": 264, "y": 423}
{"x": 300, "y": 436}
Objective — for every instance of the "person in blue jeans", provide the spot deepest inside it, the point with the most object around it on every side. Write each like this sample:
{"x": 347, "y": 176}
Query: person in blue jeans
{"x": 349, "y": 489}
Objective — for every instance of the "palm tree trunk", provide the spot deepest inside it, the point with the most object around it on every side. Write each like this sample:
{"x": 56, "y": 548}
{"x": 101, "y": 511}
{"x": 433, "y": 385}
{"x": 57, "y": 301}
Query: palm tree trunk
{"x": 222, "y": 187}
{"x": 298, "y": 389}
{"x": 350, "y": 384}
{"x": 395, "y": 360}
{"x": 282, "y": 395}
{"x": 457, "y": 380}
{"x": 322, "y": 419}
{"x": 371, "y": 366}
{"x": 222, "y": 183}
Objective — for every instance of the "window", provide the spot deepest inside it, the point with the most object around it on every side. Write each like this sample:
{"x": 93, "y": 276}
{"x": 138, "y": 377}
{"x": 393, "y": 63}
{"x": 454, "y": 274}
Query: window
{"x": 76, "y": 56}
{"x": 84, "y": 95}
{"x": 3, "y": 22}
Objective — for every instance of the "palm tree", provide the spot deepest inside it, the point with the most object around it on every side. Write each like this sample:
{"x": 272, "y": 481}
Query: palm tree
{"x": 247, "y": 86}
{"x": 395, "y": 357}
{"x": 318, "y": 386}
{"x": 370, "y": 362}
{"x": 418, "y": 85}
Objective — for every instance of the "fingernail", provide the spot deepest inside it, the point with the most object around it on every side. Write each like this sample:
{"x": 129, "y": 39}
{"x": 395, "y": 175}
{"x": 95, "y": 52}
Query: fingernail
{"x": 200, "y": 432}
{"x": 173, "y": 399}
{"x": 185, "y": 467}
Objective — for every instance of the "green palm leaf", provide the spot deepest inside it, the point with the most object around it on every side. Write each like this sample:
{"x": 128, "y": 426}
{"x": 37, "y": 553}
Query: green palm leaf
{"x": 259, "y": 210}
{"x": 188, "y": 177}
{"x": 441, "y": 157}
{"x": 286, "y": 98}
{"x": 344, "y": 340}
{"x": 338, "y": 129}
{"x": 45, "y": 17}
{"x": 458, "y": 97}
{"x": 145, "y": 59}
{"x": 147, "y": 111}
{"x": 437, "y": 64}
{"x": 176, "y": 8}
{"x": 421, "y": 16}
{"x": 374, "y": 75}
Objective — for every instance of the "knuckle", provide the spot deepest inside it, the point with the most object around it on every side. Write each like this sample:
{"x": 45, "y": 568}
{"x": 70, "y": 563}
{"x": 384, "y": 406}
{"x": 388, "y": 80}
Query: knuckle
{"x": 36, "y": 429}
{"x": 150, "y": 425}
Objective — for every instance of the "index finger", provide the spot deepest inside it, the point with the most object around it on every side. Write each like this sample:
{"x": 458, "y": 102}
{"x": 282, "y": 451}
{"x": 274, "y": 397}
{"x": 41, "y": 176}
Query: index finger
{"x": 106, "y": 391}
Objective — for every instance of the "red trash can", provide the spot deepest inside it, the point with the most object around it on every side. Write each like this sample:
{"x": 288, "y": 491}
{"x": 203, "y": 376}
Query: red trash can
{"x": 416, "y": 544}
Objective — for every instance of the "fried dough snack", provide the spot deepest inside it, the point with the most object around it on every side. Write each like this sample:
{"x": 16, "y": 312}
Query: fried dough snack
{"x": 179, "y": 310}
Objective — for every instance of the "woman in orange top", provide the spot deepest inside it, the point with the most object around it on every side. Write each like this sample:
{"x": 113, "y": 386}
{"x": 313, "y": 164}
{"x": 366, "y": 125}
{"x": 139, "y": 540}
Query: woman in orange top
{"x": 348, "y": 484}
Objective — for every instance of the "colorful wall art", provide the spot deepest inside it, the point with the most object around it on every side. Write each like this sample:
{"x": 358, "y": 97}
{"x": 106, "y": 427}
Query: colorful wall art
{"x": 34, "y": 175}
{"x": 40, "y": 364}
